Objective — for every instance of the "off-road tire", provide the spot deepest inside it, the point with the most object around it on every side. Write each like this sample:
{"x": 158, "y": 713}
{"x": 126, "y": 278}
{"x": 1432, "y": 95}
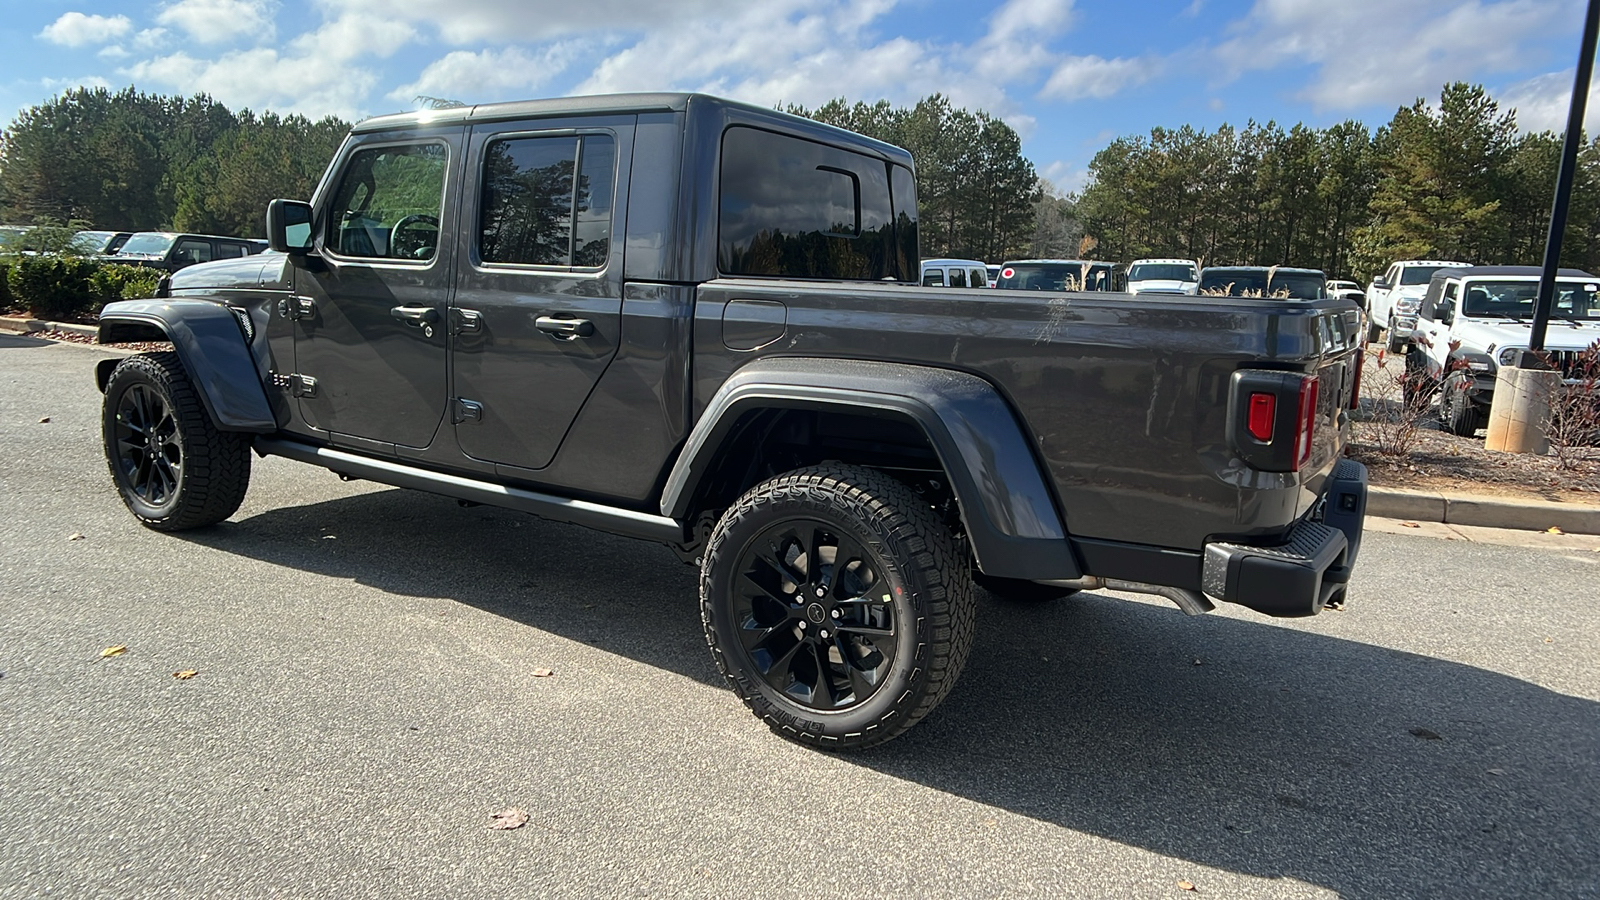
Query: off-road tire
{"x": 933, "y": 608}
{"x": 208, "y": 469}
{"x": 1456, "y": 411}
{"x": 1397, "y": 342}
{"x": 1019, "y": 590}
{"x": 1374, "y": 332}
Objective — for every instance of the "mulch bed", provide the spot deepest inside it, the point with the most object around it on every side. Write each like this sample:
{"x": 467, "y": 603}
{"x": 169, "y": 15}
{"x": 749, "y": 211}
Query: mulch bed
{"x": 1443, "y": 462}
{"x": 72, "y": 337}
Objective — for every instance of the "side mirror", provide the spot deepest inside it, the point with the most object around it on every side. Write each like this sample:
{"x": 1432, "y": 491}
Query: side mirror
{"x": 289, "y": 226}
{"x": 1447, "y": 312}
{"x": 1381, "y": 284}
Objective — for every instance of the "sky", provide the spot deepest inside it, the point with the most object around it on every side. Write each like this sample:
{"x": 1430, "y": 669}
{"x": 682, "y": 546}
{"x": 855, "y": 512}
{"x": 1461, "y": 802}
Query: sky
{"x": 1068, "y": 75}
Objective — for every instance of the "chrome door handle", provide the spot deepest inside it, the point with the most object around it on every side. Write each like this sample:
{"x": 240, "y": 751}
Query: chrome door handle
{"x": 415, "y": 315}
{"x": 566, "y": 329}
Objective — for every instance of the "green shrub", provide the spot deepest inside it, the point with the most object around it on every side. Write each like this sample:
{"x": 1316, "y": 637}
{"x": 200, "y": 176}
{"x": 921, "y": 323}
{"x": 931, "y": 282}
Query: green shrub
{"x": 54, "y": 287}
{"x": 5, "y": 287}
{"x": 119, "y": 282}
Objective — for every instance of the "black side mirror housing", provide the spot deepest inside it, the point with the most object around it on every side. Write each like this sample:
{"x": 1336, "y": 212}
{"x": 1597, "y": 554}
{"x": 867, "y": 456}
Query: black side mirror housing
{"x": 1447, "y": 312}
{"x": 289, "y": 226}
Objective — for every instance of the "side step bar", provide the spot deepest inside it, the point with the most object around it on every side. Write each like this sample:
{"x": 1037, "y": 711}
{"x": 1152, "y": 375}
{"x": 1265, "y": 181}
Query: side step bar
{"x": 625, "y": 522}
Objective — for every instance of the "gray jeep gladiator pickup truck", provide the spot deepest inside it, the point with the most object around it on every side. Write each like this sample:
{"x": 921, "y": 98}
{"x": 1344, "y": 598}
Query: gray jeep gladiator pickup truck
{"x": 696, "y": 322}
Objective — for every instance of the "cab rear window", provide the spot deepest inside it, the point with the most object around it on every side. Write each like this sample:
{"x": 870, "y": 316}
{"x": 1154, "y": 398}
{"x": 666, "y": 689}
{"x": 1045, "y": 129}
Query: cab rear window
{"x": 799, "y": 209}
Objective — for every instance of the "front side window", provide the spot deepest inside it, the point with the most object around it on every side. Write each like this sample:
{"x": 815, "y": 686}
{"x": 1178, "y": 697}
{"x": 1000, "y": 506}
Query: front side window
{"x": 958, "y": 278}
{"x": 190, "y": 251}
{"x": 933, "y": 278}
{"x": 388, "y": 203}
{"x": 547, "y": 201}
{"x": 795, "y": 208}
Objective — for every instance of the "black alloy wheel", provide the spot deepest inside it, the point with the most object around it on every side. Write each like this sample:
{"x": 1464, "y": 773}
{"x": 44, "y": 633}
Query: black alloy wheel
{"x": 173, "y": 468}
{"x": 815, "y": 613}
{"x": 837, "y": 604}
{"x": 1456, "y": 410}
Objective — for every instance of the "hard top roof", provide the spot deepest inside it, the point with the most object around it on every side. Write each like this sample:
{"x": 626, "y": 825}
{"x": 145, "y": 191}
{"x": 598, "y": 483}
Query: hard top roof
{"x": 1056, "y": 262}
{"x": 1288, "y": 269}
{"x": 603, "y": 103}
{"x": 1163, "y": 261}
{"x": 954, "y": 261}
{"x": 1431, "y": 262}
{"x": 1505, "y": 272}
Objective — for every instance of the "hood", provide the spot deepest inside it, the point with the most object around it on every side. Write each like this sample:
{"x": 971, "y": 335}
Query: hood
{"x": 268, "y": 271}
{"x": 1478, "y": 335}
{"x": 1161, "y": 286}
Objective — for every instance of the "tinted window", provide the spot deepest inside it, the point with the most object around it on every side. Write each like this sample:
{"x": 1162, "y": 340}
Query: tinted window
{"x": 903, "y": 188}
{"x": 980, "y": 278}
{"x": 795, "y": 208}
{"x": 1055, "y": 277}
{"x": 147, "y": 243}
{"x": 192, "y": 251}
{"x": 958, "y": 278}
{"x": 535, "y": 213}
{"x": 933, "y": 278}
{"x": 229, "y": 251}
{"x": 388, "y": 203}
{"x": 1417, "y": 274}
{"x": 1515, "y": 299}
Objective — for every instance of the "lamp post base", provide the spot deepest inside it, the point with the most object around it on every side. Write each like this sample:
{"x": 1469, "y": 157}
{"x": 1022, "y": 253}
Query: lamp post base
{"x": 1519, "y": 420}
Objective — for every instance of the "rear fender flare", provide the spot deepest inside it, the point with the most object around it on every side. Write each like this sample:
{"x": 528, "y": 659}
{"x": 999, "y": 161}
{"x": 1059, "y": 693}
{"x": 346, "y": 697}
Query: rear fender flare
{"x": 210, "y": 344}
{"x": 1006, "y": 506}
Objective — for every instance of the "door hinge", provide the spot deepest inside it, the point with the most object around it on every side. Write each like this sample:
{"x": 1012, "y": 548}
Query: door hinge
{"x": 467, "y": 411}
{"x": 296, "y": 384}
{"x": 466, "y": 321}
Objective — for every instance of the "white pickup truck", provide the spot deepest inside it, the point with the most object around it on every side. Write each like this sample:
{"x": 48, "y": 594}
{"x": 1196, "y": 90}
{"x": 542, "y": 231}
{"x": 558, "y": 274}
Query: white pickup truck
{"x": 1475, "y": 320}
{"x": 1393, "y": 299}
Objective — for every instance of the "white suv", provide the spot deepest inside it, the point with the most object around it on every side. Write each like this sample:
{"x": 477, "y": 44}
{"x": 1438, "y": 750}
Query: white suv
{"x": 955, "y": 273}
{"x": 1163, "y": 276}
{"x": 1392, "y": 300}
{"x": 1474, "y": 320}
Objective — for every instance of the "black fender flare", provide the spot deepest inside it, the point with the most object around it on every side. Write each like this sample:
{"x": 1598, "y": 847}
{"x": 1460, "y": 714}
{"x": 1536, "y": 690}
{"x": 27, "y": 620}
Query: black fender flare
{"x": 1006, "y": 506}
{"x": 209, "y": 341}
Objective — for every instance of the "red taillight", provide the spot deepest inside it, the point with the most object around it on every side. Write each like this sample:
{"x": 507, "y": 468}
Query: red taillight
{"x": 1307, "y": 417}
{"x": 1355, "y": 383}
{"x": 1263, "y": 410}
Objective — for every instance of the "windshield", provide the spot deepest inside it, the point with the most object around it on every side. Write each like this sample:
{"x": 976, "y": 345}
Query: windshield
{"x": 92, "y": 241}
{"x": 1515, "y": 299}
{"x": 1253, "y": 283}
{"x": 1418, "y": 274}
{"x": 1162, "y": 272}
{"x": 149, "y": 243}
{"x": 1055, "y": 277}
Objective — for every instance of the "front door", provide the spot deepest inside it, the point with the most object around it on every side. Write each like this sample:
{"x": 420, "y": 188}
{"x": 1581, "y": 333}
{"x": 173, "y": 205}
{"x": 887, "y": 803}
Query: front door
{"x": 370, "y": 306}
{"x": 1436, "y": 332}
{"x": 538, "y": 312}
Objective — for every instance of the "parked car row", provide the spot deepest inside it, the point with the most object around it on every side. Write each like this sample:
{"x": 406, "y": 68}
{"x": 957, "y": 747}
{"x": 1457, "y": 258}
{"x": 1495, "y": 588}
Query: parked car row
{"x": 165, "y": 250}
{"x": 1144, "y": 276}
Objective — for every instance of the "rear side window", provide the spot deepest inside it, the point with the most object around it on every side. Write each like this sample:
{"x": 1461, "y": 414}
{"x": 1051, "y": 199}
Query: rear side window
{"x": 933, "y": 278}
{"x": 535, "y": 211}
{"x": 229, "y": 251}
{"x": 958, "y": 278}
{"x": 980, "y": 278}
{"x": 192, "y": 251}
{"x": 799, "y": 209}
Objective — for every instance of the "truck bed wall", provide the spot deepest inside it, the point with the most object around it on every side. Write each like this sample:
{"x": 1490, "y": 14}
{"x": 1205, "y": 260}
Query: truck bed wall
{"x": 1126, "y": 399}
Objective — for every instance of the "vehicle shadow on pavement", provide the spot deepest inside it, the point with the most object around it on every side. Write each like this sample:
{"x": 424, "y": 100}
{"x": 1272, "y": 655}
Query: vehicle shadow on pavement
{"x": 1228, "y": 743}
{"x": 19, "y": 342}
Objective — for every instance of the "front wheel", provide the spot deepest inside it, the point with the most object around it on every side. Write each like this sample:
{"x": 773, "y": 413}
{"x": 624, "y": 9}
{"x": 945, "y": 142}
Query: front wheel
{"x": 837, "y": 606}
{"x": 171, "y": 465}
{"x": 1456, "y": 411}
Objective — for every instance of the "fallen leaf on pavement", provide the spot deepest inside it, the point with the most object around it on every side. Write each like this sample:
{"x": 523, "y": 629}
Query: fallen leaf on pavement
{"x": 75, "y": 536}
{"x": 1187, "y": 886}
{"x": 1497, "y": 771}
{"x": 1553, "y": 530}
{"x": 44, "y": 420}
{"x": 330, "y": 537}
{"x": 508, "y": 818}
{"x": 542, "y": 673}
{"x": 185, "y": 675}
{"x": 1410, "y": 524}
{"x": 1425, "y": 734}
{"x": 118, "y": 650}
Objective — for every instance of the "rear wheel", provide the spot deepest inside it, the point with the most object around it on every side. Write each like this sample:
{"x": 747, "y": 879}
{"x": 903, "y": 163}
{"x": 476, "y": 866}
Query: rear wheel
{"x": 835, "y": 603}
{"x": 171, "y": 465}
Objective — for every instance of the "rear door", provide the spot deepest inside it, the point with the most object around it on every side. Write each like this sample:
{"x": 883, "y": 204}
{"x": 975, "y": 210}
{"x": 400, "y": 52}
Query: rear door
{"x": 369, "y": 316}
{"x": 538, "y": 310}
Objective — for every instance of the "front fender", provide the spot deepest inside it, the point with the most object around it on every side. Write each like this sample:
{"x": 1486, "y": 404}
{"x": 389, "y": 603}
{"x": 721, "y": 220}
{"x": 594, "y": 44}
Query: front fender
{"x": 207, "y": 338}
{"x": 1007, "y": 508}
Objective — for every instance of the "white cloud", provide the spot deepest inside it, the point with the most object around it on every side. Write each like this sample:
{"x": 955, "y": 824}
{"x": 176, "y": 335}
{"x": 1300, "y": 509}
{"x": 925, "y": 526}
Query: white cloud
{"x": 488, "y": 74}
{"x": 74, "y": 29}
{"x": 1385, "y": 51}
{"x": 1015, "y": 46}
{"x": 1065, "y": 177}
{"x": 113, "y": 51}
{"x": 1543, "y": 102}
{"x": 1092, "y": 76}
{"x": 219, "y": 21}
{"x": 261, "y": 78}
{"x": 496, "y": 21}
{"x": 58, "y": 85}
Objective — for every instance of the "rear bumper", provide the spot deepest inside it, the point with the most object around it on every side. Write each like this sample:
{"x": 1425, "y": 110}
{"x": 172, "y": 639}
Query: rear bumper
{"x": 1309, "y": 570}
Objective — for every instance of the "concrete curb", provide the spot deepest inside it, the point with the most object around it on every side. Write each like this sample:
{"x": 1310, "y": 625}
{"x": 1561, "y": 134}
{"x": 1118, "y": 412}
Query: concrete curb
{"x": 23, "y": 326}
{"x": 1486, "y": 512}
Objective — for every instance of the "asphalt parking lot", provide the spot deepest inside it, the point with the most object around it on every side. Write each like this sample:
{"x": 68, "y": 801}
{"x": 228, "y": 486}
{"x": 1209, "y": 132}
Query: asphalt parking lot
{"x": 367, "y": 696}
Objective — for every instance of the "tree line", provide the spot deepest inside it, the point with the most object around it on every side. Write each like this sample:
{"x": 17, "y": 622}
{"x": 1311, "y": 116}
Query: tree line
{"x": 132, "y": 161}
{"x": 1452, "y": 180}
{"x": 1455, "y": 180}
